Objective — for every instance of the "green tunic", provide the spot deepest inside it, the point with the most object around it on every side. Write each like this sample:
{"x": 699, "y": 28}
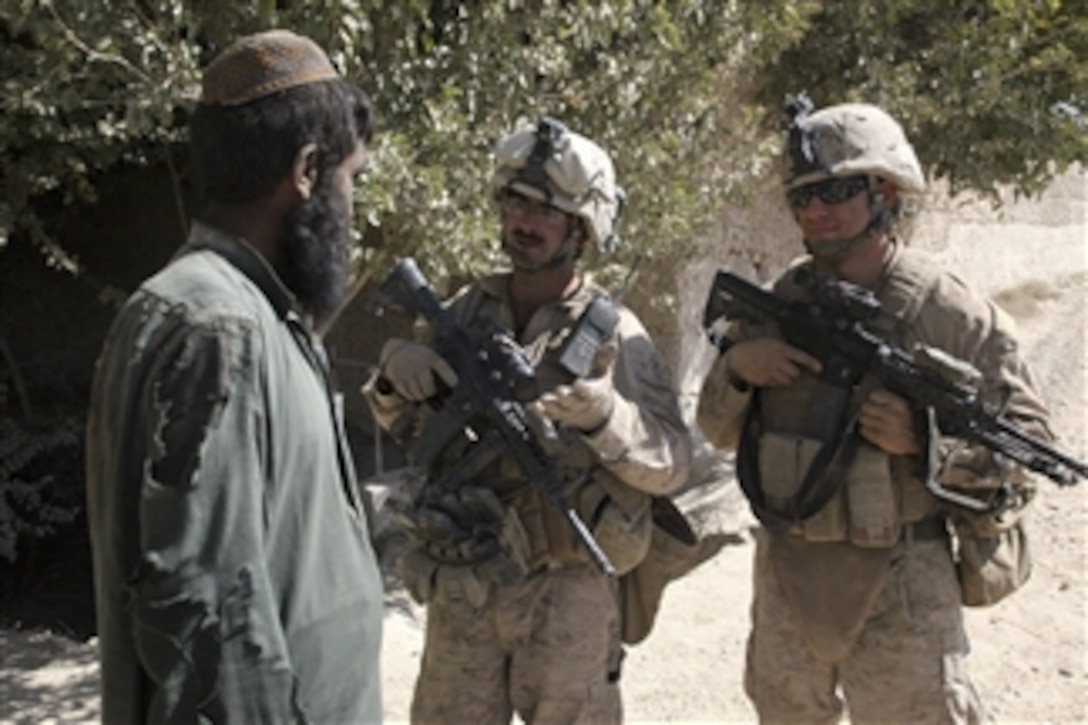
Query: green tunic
{"x": 234, "y": 575}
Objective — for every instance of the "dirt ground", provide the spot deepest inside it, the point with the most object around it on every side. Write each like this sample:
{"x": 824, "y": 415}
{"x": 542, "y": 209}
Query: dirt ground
{"x": 1029, "y": 657}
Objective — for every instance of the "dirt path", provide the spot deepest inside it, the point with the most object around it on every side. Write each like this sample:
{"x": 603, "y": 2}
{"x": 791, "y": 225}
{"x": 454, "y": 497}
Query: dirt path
{"x": 1028, "y": 660}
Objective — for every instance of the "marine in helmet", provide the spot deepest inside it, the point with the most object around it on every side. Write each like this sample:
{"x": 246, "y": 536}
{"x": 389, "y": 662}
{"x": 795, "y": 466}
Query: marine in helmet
{"x": 535, "y": 629}
{"x": 858, "y": 605}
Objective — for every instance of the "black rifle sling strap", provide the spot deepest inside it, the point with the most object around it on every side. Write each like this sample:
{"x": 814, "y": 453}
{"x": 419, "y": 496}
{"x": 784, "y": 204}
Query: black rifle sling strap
{"x": 821, "y": 482}
{"x": 901, "y": 296}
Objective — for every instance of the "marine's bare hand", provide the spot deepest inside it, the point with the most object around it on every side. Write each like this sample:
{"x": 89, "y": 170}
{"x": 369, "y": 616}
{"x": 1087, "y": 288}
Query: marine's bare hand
{"x": 767, "y": 362}
{"x": 886, "y": 421}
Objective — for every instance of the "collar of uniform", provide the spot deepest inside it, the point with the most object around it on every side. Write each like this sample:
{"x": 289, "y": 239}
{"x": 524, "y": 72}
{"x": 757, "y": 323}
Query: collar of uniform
{"x": 908, "y": 281}
{"x": 497, "y": 285}
{"x": 894, "y": 260}
{"x": 248, "y": 260}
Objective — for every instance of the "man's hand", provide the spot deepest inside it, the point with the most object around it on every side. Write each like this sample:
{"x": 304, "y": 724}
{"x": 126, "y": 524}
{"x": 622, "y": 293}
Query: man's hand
{"x": 412, "y": 367}
{"x": 767, "y": 363}
{"x": 586, "y": 404}
{"x": 886, "y": 421}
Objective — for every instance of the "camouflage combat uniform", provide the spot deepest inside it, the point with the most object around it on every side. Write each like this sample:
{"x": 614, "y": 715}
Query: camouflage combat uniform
{"x": 546, "y": 645}
{"x": 864, "y": 595}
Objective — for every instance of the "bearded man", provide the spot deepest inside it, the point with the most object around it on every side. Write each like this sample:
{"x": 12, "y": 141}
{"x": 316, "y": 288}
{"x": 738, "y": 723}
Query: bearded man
{"x": 234, "y": 575}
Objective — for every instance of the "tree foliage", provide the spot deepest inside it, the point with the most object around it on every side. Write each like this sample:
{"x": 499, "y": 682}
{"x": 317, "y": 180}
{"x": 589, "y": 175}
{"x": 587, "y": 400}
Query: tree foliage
{"x": 992, "y": 92}
{"x": 91, "y": 86}
{"x": 684, "y": 93}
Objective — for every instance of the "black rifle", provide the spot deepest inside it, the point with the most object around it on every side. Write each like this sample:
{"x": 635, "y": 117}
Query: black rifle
{"x": 495, "y": 380}
{"x": 830, "y": 326}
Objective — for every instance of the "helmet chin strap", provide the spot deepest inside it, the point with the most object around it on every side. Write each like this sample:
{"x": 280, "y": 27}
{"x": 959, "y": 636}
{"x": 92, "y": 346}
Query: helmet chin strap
{"x": 880, "y": 218}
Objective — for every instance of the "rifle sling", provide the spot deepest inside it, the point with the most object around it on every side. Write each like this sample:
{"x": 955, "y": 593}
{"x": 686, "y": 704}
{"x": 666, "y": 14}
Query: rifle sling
{"x": 822, "y": 481}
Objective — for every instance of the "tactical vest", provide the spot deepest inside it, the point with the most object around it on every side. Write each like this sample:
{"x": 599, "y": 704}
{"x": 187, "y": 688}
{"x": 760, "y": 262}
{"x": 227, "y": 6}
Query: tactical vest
{"x": 799, "y": 456}
{"x": 616, "y": 514}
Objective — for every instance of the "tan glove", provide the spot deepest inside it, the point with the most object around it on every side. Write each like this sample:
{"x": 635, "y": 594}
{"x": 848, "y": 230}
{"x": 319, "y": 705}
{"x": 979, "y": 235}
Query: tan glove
{"x": 587, "y": 403}
{"x": 411, "y": 367}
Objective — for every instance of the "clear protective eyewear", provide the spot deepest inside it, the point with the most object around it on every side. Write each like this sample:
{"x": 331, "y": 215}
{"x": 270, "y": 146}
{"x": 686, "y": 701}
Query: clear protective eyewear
{"x": 512, "y": 203}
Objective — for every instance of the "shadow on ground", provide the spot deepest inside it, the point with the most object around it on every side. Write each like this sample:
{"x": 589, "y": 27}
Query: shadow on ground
{"x": 44, "y": 677}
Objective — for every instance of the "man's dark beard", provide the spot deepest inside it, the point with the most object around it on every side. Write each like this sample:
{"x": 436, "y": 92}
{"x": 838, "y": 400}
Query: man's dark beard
{"x": 315, "y": 252}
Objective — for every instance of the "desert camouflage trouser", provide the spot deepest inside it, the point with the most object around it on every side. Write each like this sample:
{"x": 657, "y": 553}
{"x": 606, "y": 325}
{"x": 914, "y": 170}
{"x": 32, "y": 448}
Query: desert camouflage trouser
{"x": 906, "y": 667}
{"x": 546, "y": 648}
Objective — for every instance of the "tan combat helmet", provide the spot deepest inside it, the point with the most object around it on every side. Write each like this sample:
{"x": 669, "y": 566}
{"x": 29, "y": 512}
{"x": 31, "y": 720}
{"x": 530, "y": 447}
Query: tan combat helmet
{"x": 851, "y": 139}
{"x": 548, "y": 162}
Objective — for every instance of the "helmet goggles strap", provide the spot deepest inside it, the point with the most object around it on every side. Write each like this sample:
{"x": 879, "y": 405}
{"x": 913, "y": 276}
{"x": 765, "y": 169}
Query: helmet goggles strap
{"x": 880, "y": 218}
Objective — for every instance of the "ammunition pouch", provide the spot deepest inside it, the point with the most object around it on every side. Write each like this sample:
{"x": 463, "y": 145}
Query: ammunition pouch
{"x": 864, "y": 507}
{"x": 619, "y": 518}
{"x": 429, "y": 571}
{"x": 674, "y": 550}
{"x": 784, "y": 461}
{"x": 464, "y": 542}
{"x": 871, "y": 499}
{"x": 993, "y": 555}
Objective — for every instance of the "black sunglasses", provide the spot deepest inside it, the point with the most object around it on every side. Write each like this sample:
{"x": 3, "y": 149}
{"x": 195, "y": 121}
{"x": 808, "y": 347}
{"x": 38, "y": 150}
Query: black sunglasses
{"x": 830, "y": 191}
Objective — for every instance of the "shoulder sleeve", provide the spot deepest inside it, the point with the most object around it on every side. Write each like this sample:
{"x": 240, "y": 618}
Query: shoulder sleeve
{"x": 206, "y": 620}
{"x": 722, "y": 406}
{"x": 976, "y": 330}
{"x": 645, "y": 441}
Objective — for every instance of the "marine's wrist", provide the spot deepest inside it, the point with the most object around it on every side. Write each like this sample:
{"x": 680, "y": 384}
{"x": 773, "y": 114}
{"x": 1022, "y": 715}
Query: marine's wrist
{"x": 735, "y": 381}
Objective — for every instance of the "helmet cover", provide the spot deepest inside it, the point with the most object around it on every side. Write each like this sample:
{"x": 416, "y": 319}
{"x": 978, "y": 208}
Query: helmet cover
{"x": 548, "y": 162}
{"x": 850, "y": 139}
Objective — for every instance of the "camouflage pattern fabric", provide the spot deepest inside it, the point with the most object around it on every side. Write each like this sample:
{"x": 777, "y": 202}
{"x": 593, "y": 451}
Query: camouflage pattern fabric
{"x": 907, "y": 665}
{"x": 544, "y": 648}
